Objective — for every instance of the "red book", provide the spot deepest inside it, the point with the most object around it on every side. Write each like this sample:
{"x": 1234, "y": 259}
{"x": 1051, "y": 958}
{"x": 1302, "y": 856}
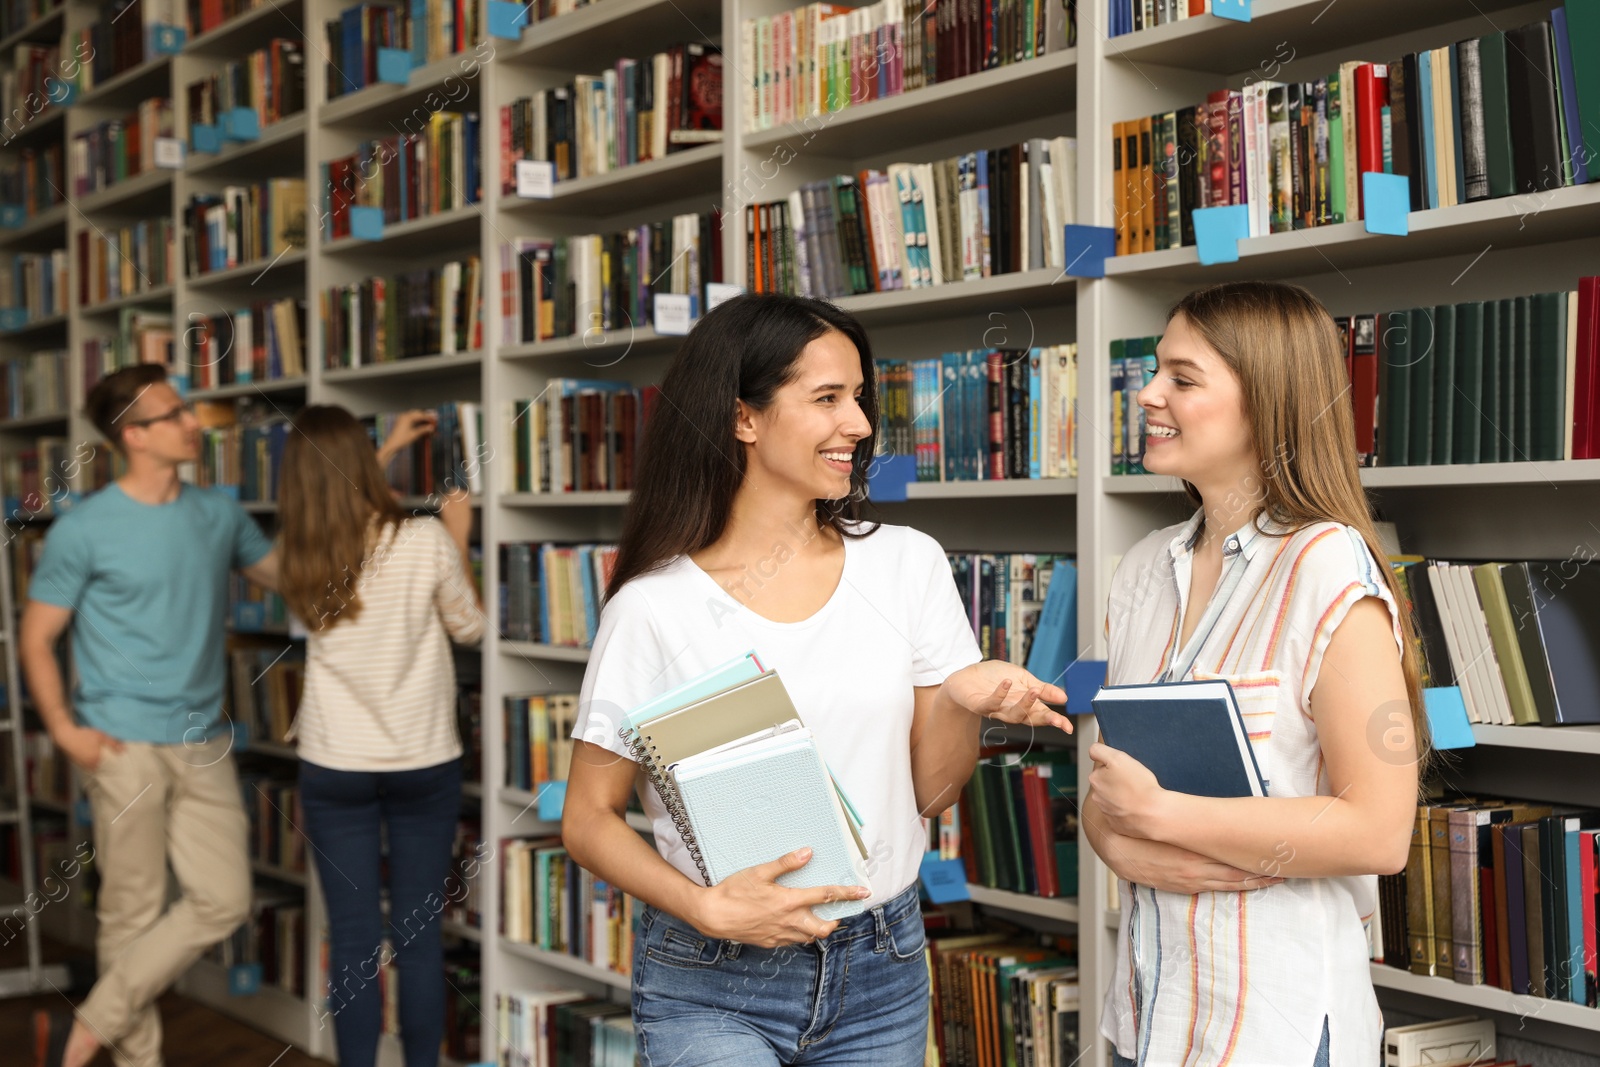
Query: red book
{"x": 1364, "y": 382}
{"x": 1584, "y": 438}
{"x": 1197, "y": 8}
{"x": 1491, "y": 946}
{"x": 1219, "y": 167}
{"x": 1372, "y": 96}
{"x": 1588, "y": 847}
{"x": 1041, "y": 839}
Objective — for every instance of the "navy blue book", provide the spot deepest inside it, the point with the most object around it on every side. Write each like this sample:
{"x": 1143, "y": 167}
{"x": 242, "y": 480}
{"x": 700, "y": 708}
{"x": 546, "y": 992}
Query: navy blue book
{"x": 1190, "y": 735}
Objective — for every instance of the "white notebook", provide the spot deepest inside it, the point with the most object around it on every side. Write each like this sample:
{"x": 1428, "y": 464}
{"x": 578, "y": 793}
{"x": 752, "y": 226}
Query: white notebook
{"x": 751, "y": 803}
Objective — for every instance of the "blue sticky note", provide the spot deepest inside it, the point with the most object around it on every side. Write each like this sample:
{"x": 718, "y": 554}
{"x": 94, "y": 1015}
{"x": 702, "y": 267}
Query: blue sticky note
{"x": 204, "y": 138}
{"x": 506, "y": 19}
{"x": 1087, "y": 249}
{"x": 1237, "y": 10}
{"x": 394, "y": 66}
{"x": 167, "y": 40}
{"x": 366, "y": 223}
{"x": 1218, "y": 231}
{"x": 13, "y": 318}
{"x": 888, "y": 476}
{"x": 945, "y": 881}
{"x": 244, "y": 979}
{"x": 1083, "y": 680}
{"x": 13, "y": 216}
{"x": 1447, "y": 718}
{"x": 242, "y": 124}
{"x": 1386, "y": 203}
{"x": 552, "y": 798}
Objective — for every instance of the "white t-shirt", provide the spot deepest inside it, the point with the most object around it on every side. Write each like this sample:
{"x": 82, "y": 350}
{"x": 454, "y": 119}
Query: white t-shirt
{"x": 380, "y": 690}
{"x": 893, "y": 623}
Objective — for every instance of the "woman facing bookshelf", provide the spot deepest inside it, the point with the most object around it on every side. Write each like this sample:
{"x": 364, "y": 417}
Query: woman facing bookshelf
{"x": 1241, "y": 935}
{"x": 744, "y": 534}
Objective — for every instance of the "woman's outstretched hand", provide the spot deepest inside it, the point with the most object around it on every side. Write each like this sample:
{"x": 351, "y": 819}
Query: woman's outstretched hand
{"x": 408, "y": 427}
{"x": 999, "y": 690}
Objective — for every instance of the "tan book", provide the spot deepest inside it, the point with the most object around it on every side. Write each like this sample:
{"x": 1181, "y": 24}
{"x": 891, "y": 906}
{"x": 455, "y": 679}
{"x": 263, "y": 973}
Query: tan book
{"x": 1419, "y": 895}
{"x": 1503, "y": 636}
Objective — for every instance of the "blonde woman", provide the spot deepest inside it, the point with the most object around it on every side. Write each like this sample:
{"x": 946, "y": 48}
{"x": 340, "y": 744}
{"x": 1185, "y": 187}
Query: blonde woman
{"x": 1241, "y": 938}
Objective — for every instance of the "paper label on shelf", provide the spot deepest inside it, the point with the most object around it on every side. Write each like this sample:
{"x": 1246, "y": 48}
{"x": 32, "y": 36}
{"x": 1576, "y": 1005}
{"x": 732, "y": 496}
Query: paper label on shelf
{"x": 1218, "y": 231}
{"x": 1386, "y": 203}
{"x": 1087, "y": 249}
{"x": 945, "y": 881}
{"x": 60, "y": 92}
{"x": 1447, "y": 718}
{"x": 717, "y": 292}
{"x": 13, "y": 216}
{"x": 673, "y": 314}
{"x": 394, "y": 66}
{"x": 167, "y": 40}
{"x": 552, "y": 799}
{"x": 169, "y": 153}
{"x": 1236, "y": 10}
{"x": 203, "y": 138}
{"x": 244, "y": 979}
{"x": 241, "y": 124}
{"x": 13, "y": 319}
{"x": 536, "y": 179}
{"x": 366, "y": 223}
{"x": 506, "y": 19}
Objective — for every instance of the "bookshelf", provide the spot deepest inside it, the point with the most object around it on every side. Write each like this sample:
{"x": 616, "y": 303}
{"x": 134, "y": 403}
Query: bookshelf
{"x": 1481, "y": 250}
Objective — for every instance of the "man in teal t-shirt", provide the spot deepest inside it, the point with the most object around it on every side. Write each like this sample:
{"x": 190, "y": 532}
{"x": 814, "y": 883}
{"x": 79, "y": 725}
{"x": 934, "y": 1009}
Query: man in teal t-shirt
{"x": 140, "y": 573}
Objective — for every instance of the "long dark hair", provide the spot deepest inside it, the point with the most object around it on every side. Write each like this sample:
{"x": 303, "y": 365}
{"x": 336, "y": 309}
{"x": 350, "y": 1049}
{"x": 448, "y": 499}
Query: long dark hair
{"x": 691, "y": 464}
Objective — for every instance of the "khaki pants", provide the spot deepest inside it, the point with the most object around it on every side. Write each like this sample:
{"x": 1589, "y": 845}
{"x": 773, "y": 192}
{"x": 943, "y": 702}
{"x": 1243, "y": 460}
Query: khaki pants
{"x": 153, "y": 804}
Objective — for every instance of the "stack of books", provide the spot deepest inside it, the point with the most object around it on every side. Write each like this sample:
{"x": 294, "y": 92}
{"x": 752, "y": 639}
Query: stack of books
{"x": 410, "y": 175}
{"x": 270, "y": 81}
{"x": 545, "y": 1027}
{"x": 241, "y": 448}
{"x": 35, "y": 179}
{"x": 36, "y": 384}
{"x": 551, "y": 594}
{"x": 246, "y": 224}
{"x": 998, "y": 999}
{"x": 118, "y": 149}
{"x": 34, "y": 284}
{"x": 263, "y": 342}
{"x": 119, "y": 261}
{"x": 450, "y": 458}
{"x": 264, "y": 690}
{"x": 579, "y": 435}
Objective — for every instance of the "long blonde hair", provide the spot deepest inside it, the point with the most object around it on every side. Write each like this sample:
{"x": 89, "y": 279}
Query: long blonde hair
{"x": 1283, "y": 346}
{"x": 330, "y": 489}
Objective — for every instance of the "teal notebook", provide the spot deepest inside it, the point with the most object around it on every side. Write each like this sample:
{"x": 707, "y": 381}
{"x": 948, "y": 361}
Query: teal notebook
{"x": 749, "y": 804}
{"x": 734, "y": 672}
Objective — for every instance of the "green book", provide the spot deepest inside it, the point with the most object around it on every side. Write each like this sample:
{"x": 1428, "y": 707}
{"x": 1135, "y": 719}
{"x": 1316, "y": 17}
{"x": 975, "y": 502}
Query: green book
{"x": 1474, "y": 321}
{"x": 1549, "y": 376}
{"x": 1445, "y": 324}
{"x": 1421, "y": 347}
{"x": 1497, "y": 114}
{"x": 1169, "y": 157}
{"x": 1336, "y": 164}
{"x": 1491, "y": 414}
{"x": 1583, "y": 33}
{"x": 1119, "y": 434}
{"x": 1394, "y": 393}
{"x": 1518, "y": 410}
{"x": 977, "y": 811}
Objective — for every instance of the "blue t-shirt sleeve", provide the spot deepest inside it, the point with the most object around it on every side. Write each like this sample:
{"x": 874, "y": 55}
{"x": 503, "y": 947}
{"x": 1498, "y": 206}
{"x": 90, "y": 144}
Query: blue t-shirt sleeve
{"x": 250, "y": 545}
{"x": 64, "y": 568}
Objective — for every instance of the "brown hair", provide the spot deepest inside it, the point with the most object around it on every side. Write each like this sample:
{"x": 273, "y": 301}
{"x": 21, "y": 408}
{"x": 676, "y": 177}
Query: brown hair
{"x": 114, "y": 396}
{"x": 1283, "y": 346}
{"x": 330, "y": 489}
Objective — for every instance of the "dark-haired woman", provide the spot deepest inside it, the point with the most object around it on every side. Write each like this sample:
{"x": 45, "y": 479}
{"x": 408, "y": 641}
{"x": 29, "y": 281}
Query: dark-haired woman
{"x": 743, "y": 535}
{"x": 383, "y": 593}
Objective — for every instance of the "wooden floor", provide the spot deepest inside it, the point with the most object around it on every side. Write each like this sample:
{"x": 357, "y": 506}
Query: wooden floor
{"x": 196, "y": 1036}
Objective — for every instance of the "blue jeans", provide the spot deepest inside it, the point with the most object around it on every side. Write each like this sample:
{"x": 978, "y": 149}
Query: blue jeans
{"x": 1321, "y": 1060}
{"x": 858, "y": 997}
{"x": 417, "y": 813}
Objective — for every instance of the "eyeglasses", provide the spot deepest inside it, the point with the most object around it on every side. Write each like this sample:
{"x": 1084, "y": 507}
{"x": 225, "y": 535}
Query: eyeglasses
{"x": 174, "y": 415}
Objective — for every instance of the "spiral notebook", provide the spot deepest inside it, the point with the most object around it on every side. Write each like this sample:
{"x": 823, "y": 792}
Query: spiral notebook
{"x": 1190, "y": 735}
{"x": 760, "y": 798}
{"x": 708, "y": 716}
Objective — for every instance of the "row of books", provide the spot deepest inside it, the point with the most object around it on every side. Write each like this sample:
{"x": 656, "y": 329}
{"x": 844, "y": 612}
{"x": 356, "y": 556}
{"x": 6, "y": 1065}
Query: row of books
{"x": 34, "y": 178}
{"x": 1012, "y": 599}
{"x": 634, "y": 112}
{"x": 203, "y": 16}
{"x": 15, "y": 14}
{"x": 538, "y": 732}
{"x": 1133, "y": 366}
{"x": 578, "y": 435}
{"x": 49, "y": 772}
{"x": 1016, "y": 825}
{"x": 273, "y": 938}
{"x": 1129, "y": 16}
{"x": 425, "y": 312}
{"x": 463, "y": 900}
{"x": 984, "y": 414}
{"x": 241, "y": 446}
{"x": 252, "y": 609}
{"x": 451, "y": 457}
{"x": 409, "y": 176}
{"x": 34, "y": 284}
{"x": 273, "y": 806}
{"x": 823, "y": 58}
{"x": 553, "y": 1027}
{"x": 35, "y": 480}
{"x": 1486, "y": 381}
{"x": 253, "y": 223}
{"x": 1517, "y": 638}
{"x": 30, "y": 85}
{"x": 264, "y": 690}
{"x": 1496, "y": 892}
{"x": 1001, "y": 999}
{"x": 551, "y": 594}
{"x": 36, "y": 384}
{"x": 578, "y": 286}
{"x": 463, "y": 1005}
{"x": 270, "y": 81}
{"x": 1486, "y": 117}
{"x": 263, "y": 342}
{"x": 995, "y": 211}
{"x": 552, "y": 903}
{"x": 124, "y": 36}
{"x": 118, "y": 149}
{"x": 429, "y": 30}
{"x": 141, "y": 336}
{"x": 119, "y": 261}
